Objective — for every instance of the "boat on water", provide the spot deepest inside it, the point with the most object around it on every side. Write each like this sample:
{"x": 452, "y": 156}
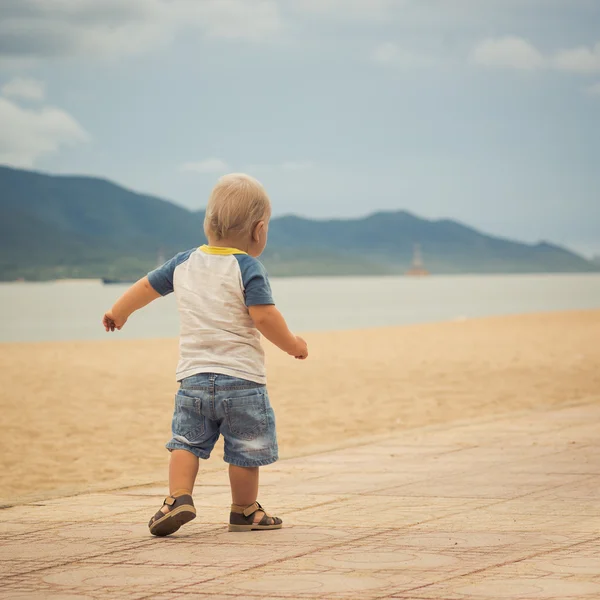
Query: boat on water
{"x": 417, "y": 269}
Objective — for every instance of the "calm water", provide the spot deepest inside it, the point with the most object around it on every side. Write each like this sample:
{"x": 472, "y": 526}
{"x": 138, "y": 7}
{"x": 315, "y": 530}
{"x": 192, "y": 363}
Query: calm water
{"x": 73, "y": 310}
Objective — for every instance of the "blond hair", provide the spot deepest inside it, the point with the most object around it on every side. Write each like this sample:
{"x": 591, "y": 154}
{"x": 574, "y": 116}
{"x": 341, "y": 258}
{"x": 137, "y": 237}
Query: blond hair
{"x": 237, "y": 203}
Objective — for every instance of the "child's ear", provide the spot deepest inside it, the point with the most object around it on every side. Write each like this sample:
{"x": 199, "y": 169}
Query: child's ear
{"x": 257, "y": 231}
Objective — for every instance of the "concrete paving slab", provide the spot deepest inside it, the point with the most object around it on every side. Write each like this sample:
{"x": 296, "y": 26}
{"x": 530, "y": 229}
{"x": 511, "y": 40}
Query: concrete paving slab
{"x": 489, "y": 508}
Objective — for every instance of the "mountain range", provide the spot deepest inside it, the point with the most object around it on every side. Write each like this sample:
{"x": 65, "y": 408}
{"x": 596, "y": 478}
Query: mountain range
{"x": 72, "y": 226}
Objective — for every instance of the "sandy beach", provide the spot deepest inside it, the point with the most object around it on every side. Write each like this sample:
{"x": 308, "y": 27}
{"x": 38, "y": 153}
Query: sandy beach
{"x": 95, "y": 415}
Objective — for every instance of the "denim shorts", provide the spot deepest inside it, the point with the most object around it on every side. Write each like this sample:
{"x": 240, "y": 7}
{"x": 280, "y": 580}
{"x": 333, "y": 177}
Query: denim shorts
{"x": 208, "y": 405}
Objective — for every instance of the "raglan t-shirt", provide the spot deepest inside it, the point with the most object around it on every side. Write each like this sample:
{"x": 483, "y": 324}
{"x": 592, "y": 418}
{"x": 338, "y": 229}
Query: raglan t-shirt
{"x": 214, "y": 288}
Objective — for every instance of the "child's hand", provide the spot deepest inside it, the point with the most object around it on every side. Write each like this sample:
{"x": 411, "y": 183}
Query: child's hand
{"x": 112, "y": 321}
{"x": 301, "y": 351}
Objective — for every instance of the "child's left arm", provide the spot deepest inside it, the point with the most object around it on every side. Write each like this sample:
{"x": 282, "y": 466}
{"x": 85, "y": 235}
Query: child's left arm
{"x": 137, "y": 296}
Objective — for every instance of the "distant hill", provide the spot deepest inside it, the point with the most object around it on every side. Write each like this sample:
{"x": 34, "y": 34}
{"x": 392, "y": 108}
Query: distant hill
{"x": 55, "y": 226}
{"x": 62, "y": 226}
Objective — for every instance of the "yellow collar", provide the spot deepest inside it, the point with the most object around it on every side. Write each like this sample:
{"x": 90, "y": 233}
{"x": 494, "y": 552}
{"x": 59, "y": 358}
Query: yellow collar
{"x": 220, "y": 251}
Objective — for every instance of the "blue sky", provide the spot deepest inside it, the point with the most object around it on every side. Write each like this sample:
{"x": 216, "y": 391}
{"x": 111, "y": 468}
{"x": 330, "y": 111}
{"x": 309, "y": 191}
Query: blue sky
{"x": 485, "y": 111}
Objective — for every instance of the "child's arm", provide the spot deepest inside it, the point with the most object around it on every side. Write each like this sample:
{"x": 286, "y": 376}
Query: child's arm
{"x": 270, "y": 322}
{"x": 136, "y": 297}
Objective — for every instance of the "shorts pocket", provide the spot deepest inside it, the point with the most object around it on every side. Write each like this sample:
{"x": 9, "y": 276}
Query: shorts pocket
{"x": 188, "y": 424}
{"x": 247, "y": 415}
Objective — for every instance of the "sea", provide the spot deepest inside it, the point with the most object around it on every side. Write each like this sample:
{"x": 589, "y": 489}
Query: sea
{"x": 73, "y": 310}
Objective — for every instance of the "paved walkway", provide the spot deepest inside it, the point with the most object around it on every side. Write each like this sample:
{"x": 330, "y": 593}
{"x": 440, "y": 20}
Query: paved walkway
{"x": 498, "y": 508}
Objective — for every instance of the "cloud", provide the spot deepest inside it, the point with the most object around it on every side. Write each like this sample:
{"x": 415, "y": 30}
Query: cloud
{"x": 16, "y": 64}
{"x": 210, "y": 165}
{"x": 507, "y": 52}
{"x": 28, "y": 134}
{"x": 579, "y": 60}
{"x": 111, "y": 28}
{"x": 249, "y": 20}
{"x": 594, "y": 89}
{"x": 392, "y": 54}
{"x": 517, "y": 53}
{"x": 22, "y": 87}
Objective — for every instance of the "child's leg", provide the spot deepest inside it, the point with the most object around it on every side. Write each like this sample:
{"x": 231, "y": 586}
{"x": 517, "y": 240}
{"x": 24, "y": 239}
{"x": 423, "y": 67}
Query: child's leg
{"x": 178, "y": 508}
{"x": 244, "y": 485}
{"x": 183, "y": 468}
{"x": 244, "y": 490}
{"x": 248, "y": 426}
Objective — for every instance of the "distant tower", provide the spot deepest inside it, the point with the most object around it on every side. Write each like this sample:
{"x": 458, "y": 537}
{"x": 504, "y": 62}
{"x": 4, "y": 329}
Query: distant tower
{"x": 417, "y": 269}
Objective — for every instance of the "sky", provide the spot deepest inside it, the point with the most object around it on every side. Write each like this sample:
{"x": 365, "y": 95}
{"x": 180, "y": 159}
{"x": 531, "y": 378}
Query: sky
{"x": 483, "y": 111}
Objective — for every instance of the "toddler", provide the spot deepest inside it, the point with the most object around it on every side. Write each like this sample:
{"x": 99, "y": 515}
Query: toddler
{"x": 224, "y": 301}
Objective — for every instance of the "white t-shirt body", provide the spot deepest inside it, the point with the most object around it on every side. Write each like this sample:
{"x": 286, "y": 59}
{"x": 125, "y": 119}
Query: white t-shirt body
{"x": 214, "y": 287}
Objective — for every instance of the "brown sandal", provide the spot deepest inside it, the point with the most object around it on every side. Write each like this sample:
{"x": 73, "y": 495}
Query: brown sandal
{"x": 241, "y": 518}
{"x": 181, "y": 511}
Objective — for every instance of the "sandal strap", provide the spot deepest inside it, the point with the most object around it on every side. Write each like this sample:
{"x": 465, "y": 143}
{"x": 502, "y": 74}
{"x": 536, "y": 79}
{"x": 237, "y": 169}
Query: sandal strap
{"x": 269, "y": 520}
{"x": 178, "y": 499}
{"x": 172, "y": 502}
{"x": 248, "y": 511}
{"x": 245, "y": 510}
{"x": 157, "y": 516}
{"x": 242, "y": 515}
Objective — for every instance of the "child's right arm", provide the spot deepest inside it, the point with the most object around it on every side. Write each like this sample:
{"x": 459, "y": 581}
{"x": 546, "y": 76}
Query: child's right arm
{"x": 136, "y": 297}
{"x": 270, "y": 322}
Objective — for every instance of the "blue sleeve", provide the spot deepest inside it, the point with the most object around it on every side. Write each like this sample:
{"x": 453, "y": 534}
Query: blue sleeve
{"x": 257, "y": 289}
{"x": 161, "y": 279}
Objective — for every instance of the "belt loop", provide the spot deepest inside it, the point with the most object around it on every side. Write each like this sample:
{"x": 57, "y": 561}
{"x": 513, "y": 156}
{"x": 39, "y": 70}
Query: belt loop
{"x": 213, "y": 392}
